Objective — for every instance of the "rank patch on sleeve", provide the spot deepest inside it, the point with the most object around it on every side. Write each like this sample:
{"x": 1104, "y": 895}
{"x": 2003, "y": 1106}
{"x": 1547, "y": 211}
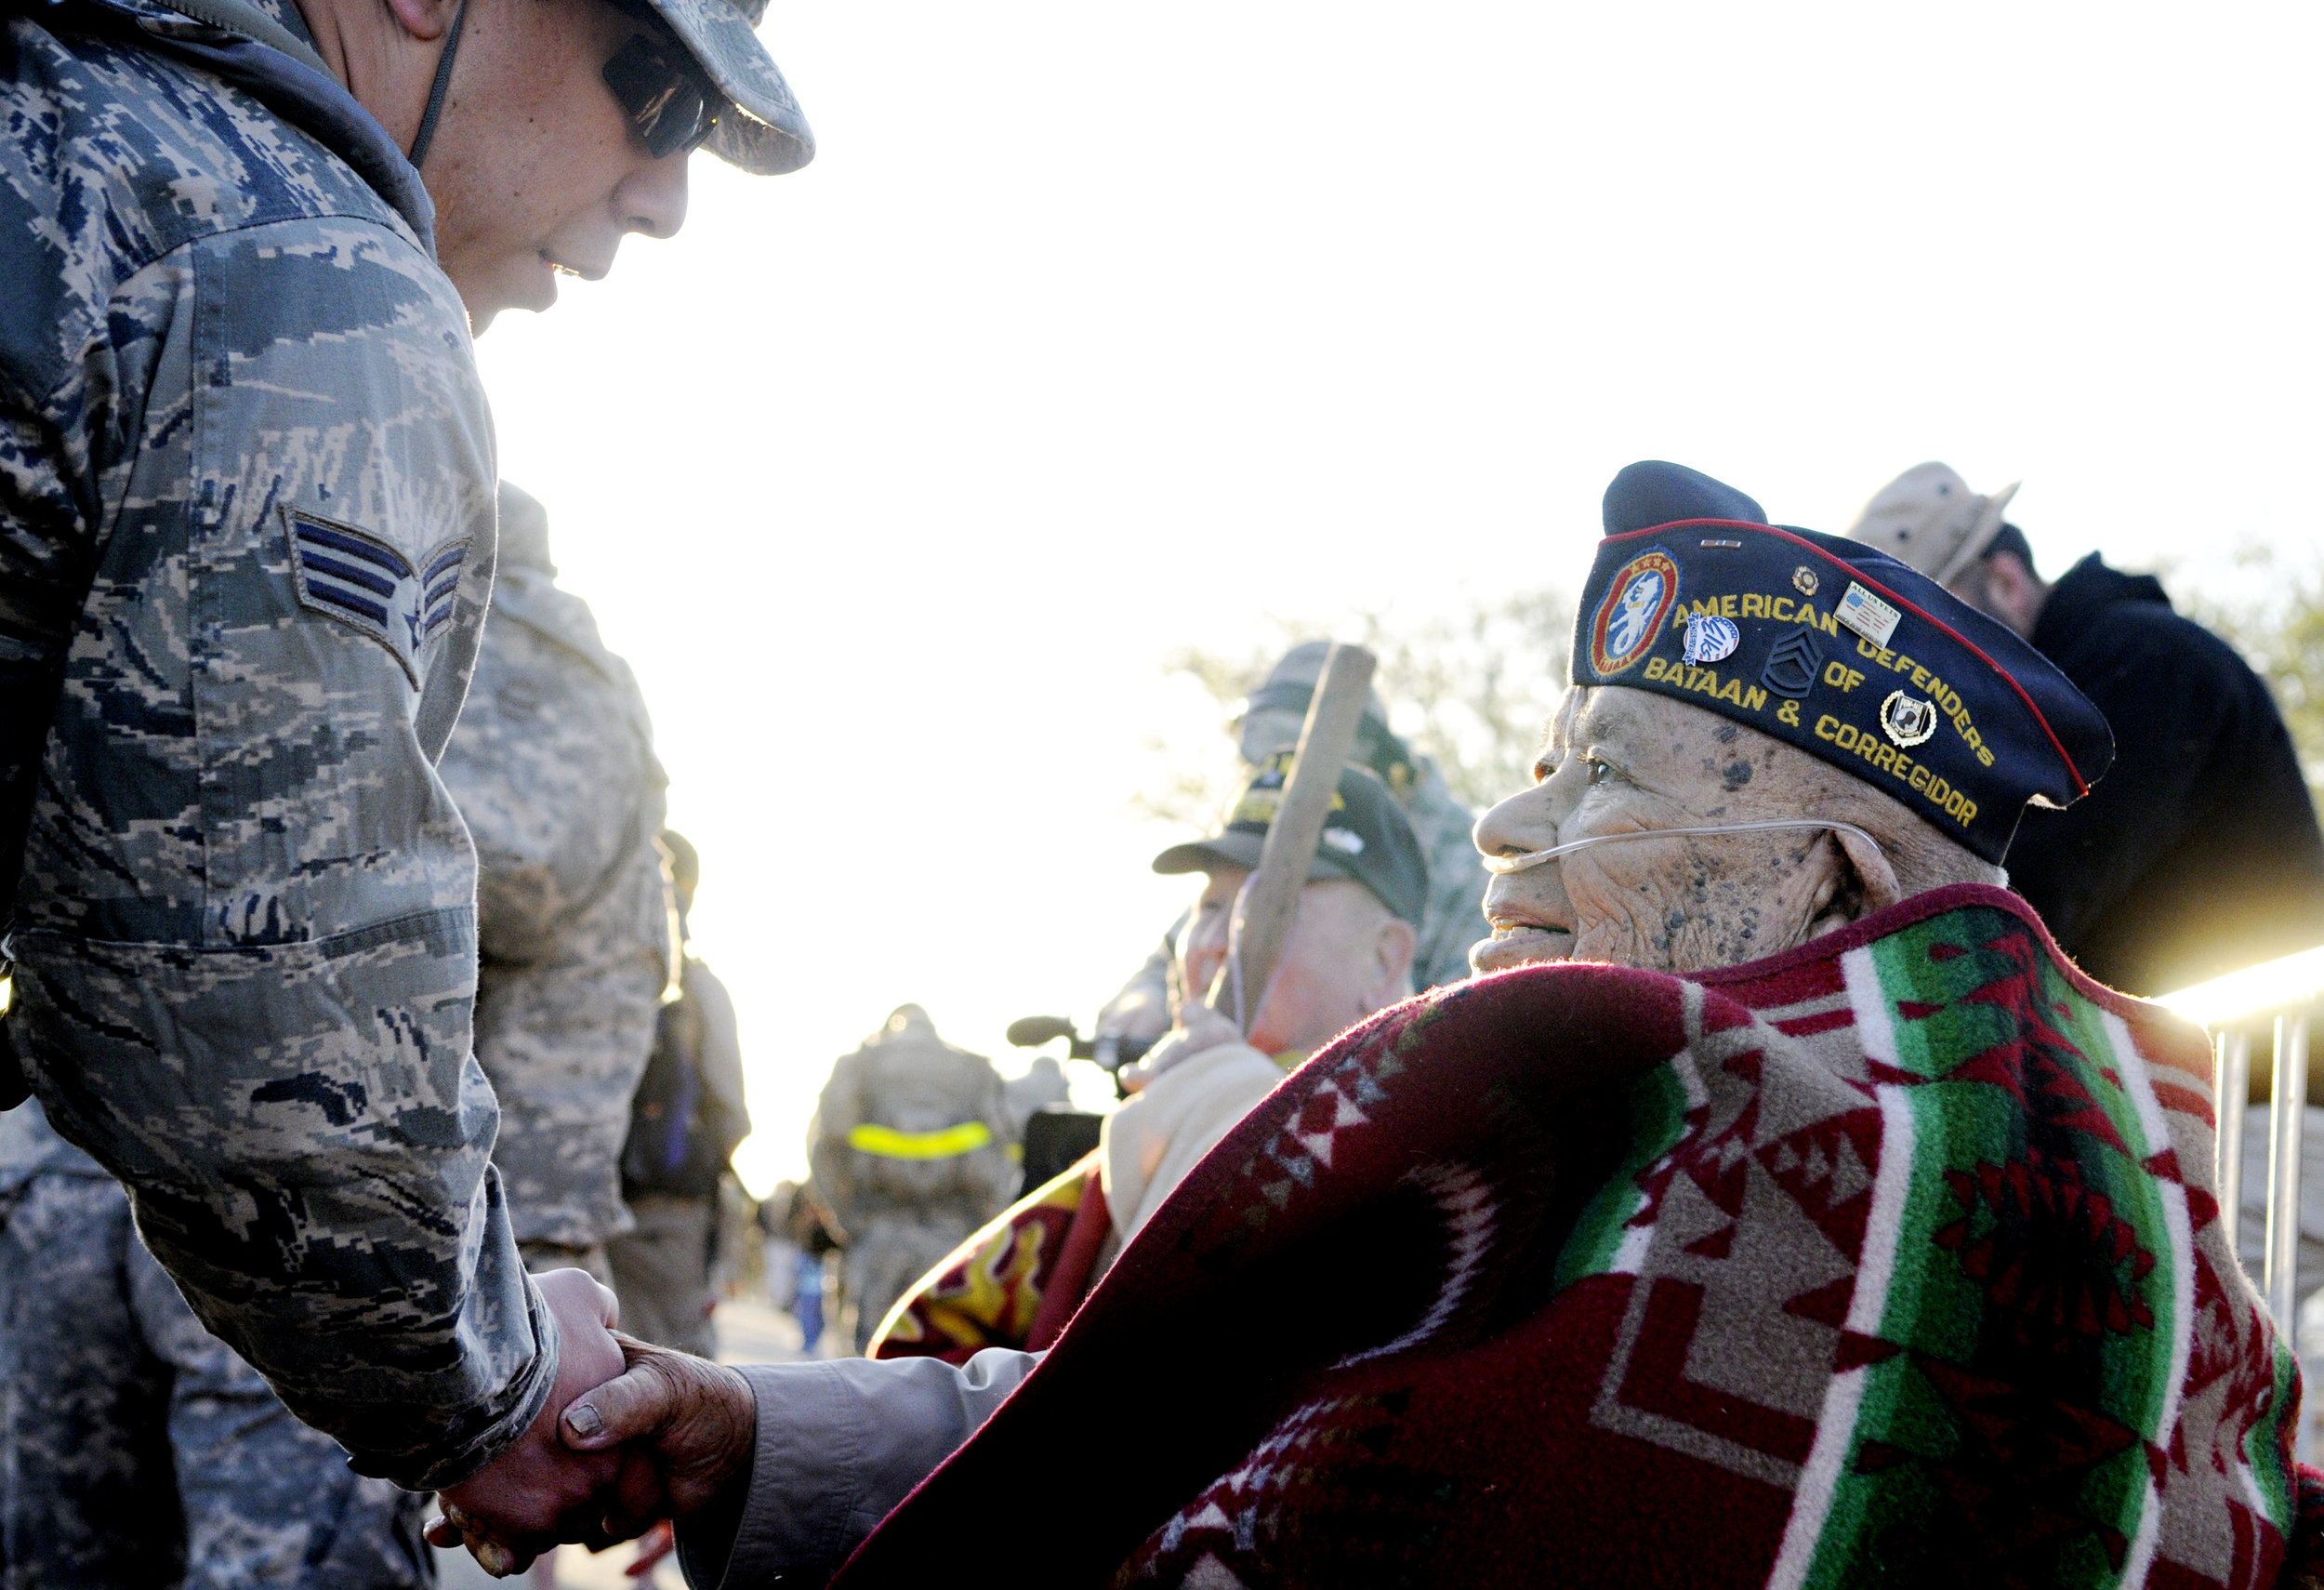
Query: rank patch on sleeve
{"x": 371, "y": 586}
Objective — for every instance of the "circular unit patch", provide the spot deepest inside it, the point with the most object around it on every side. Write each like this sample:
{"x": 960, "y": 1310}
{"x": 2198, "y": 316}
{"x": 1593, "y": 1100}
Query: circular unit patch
{"x": 1629, "y": 616}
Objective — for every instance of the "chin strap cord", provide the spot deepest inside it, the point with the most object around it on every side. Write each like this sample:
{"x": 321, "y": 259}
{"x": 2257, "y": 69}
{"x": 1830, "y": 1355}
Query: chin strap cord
{"x": 426, "y": 134}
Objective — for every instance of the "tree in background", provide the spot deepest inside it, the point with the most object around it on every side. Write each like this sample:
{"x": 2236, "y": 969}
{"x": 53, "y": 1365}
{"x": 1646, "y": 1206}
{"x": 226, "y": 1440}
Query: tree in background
{"x": 2276, "y": 619}
{"x": 1471, "y": 689}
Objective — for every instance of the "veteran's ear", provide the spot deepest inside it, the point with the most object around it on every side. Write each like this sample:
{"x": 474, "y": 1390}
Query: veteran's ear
{"x": 1876, "y": 885}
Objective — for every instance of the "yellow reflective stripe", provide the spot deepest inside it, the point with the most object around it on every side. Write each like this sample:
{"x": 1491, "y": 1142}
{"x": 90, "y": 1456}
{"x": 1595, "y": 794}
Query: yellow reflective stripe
{"x": 890, "y": 1143}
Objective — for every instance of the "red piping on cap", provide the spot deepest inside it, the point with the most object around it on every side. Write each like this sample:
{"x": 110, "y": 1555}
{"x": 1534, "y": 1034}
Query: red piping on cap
{"x": 2081, "y": 786}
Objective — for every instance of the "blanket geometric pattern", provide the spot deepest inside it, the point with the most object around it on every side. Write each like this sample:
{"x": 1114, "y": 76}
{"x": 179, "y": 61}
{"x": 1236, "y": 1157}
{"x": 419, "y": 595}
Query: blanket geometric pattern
{"x": 1892, "y": 1260}
{"x": 1004, "y": 1287}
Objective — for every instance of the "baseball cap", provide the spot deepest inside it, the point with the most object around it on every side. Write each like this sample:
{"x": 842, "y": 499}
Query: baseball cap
{"x": 1366, "y": 838}
{"x": 767, "y": 134}
{"x": 1928, "y": 519}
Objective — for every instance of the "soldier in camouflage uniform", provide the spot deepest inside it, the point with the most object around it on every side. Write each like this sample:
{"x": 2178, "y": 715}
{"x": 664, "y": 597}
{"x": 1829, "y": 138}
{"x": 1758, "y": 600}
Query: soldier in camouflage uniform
{"x": 687, "y": 1118}
{"x": 1271, "y": 724}
{"x": 137, "y": 1449}
{"x": 553, "y": 767}
{"x": 247, "y": 491}
{"x": 909, "y": 1147}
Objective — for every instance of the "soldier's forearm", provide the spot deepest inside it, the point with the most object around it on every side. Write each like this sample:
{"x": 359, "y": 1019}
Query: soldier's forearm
{"x": 325, "y": 1201}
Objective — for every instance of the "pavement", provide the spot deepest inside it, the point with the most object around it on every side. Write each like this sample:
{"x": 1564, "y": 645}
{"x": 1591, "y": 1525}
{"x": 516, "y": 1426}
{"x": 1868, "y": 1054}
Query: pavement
{"x": 749, "y": 1331}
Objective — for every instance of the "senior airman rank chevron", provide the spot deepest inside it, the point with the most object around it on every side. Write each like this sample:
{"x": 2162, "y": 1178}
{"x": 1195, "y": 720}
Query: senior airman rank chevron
{"x": 1833, "y": 647}
{"x": 369, "y": 585}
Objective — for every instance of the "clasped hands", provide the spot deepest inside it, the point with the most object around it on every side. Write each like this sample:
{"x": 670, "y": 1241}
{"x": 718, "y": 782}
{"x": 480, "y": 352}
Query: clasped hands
{"x": 632, "y": 1434}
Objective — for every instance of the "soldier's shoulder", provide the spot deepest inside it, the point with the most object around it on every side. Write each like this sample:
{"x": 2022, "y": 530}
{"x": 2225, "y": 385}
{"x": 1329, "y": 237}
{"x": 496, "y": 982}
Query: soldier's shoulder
{"x": 545, "y": 619}
{"x": 115, "y": 152}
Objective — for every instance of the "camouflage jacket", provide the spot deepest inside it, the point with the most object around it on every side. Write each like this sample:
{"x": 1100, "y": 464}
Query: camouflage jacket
{"x": 246, "y": 515}
{"x": 553, "y": 768}
{"x": 911, "y": 1125}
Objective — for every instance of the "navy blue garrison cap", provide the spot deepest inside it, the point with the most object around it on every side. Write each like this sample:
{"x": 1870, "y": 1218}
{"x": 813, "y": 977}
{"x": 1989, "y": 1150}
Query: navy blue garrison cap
{"x": 1835, "y": 648}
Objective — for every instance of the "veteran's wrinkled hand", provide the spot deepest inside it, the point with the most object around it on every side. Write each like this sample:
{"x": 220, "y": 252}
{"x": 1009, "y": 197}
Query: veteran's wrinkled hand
{"x": 1200, "y": 1029}
{"x": 541, "y": 1491}
{"x": 685, "y": 1428}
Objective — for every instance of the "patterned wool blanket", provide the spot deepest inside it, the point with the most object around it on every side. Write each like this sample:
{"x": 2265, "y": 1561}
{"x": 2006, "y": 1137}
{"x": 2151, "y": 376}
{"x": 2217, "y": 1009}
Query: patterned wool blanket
{"x": 1893, "y": 1260}
{"x": 1014, "y": 1283}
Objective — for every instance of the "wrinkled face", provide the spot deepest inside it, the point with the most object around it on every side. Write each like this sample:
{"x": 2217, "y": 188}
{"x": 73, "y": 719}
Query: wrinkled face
{"x": 1330, "y": 977}
{"x": 1621, "y": 760}
{"x": 535, "y": 168}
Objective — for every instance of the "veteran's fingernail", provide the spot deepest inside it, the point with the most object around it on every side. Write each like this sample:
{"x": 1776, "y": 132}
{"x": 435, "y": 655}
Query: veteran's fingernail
{"x": 494, "y": 1558}
{"x": 583, "y": 1419}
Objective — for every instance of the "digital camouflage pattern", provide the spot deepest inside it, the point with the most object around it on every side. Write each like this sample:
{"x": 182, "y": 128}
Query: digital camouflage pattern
{"x": 135, "y": 1449}
{"x": 239, "y": 411}
{"x": 553, "y": 767}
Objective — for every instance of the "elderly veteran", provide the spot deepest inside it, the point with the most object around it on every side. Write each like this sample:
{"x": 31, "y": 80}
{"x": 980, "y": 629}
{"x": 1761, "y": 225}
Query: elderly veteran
{"x": 1848, "y": 1235}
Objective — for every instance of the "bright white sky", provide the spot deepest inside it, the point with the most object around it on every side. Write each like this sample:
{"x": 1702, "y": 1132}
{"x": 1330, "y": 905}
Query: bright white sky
{"x": 1096, "y": 330}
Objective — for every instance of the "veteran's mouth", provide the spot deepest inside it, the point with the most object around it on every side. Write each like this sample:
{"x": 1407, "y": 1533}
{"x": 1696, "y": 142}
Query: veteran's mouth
{"x": 1521, "y": 941}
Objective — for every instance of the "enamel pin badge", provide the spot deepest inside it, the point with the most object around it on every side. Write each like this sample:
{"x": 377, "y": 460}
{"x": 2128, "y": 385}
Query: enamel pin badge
{"x": 1907, "y": 720}
{"x": 1866, "y": 615}
{"x": 1710, "y": 639}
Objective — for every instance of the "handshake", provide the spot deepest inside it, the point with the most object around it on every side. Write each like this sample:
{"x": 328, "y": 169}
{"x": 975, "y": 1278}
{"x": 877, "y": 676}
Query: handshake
{"x": 632, "y": 1435}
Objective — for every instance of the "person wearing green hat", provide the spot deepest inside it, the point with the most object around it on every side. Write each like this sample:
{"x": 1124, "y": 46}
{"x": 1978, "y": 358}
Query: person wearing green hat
{"x": 1349, "y": 954}
{"x": 1267, "y": 724}
{"x": 247, "y": 473}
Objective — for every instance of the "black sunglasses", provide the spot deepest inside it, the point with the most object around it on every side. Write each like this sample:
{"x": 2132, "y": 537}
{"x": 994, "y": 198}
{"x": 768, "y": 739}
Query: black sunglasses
{"x": 665, "y": 94}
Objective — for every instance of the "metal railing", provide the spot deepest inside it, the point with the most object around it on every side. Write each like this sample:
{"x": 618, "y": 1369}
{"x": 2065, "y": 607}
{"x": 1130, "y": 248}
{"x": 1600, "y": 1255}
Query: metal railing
{"x": 2231, "y": 1008}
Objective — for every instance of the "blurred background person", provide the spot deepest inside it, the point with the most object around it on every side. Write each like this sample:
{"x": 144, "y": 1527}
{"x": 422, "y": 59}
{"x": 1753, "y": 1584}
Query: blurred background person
{"x": 685, "y": 1121}
{"x": 552, "y": 766}
{"x": 1041, "y": 1086}
{"x": 778, "y": 1254}
{"x": 910, "y": 1148}
{"x": 1347, "y": 956}
{"x": 2199, "y": 853}
{"x": 137, "y": 1450}
{"x": 1272, "y": 717}
{"x": 799, "y": 1240}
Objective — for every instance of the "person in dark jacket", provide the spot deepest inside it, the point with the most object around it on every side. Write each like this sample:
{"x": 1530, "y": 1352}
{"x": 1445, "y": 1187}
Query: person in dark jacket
{"x": 685, "y": 1121}
{"x": 2199, "y": 854}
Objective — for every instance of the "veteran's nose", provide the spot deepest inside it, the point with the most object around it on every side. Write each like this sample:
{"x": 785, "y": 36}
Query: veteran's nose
{"x": 1527, "y": 821}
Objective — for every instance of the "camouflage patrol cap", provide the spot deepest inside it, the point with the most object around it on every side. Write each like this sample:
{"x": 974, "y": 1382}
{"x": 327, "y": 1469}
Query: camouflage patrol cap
{"x": 768, "y": 134}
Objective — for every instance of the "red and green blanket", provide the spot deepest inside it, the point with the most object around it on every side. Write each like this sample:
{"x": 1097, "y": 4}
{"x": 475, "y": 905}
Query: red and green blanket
{"x": 1893, "y": 1260}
